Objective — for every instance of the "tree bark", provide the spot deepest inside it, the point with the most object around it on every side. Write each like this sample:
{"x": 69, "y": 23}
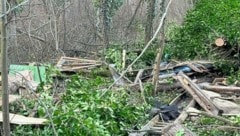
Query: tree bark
{"x": 4, "y": 72}
{"x": 106, "y": 22}
{"x": 158, "y": 59}
{"x": 149, "y": 21}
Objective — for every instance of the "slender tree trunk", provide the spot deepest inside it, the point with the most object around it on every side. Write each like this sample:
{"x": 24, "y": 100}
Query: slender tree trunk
{"x": 149, "y": 21}
{"x": 64, "y": 26}
{"x": 12, "y": 33}
{"x": 4, "y": 72}
{"x": 105, "y": 20}
{"x": 159, "y": 54}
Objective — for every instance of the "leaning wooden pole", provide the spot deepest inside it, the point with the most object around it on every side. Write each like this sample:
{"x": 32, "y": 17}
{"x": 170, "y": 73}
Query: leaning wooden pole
{"x": 4, "y": 72}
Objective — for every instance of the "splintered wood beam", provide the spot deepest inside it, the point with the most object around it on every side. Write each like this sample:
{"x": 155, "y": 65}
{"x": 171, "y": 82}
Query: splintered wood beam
{"x": 197, "y": 94}
{"x": 222, "y": 89}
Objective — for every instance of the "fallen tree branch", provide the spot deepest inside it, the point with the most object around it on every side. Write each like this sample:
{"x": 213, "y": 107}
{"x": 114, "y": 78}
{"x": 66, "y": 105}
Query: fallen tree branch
{"x": 33, "y": 36}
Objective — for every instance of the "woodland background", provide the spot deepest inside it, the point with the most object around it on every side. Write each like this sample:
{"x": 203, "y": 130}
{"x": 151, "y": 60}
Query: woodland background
{"x": 44, "y": 30}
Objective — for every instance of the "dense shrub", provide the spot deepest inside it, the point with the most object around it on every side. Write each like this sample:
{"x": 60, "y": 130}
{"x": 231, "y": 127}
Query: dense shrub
{"x": 208, "y": 20}
{"x": 84, "y": 111}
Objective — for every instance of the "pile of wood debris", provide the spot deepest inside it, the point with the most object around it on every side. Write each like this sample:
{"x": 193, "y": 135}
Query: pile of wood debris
{"x": 22, "y": 84}
{"x": 69, "y": 64}
{"x": 215, "y": 98}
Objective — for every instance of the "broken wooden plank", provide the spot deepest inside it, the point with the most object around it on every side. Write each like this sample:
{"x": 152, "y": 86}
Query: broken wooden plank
{"x": 167, "y": 129}
{"x": 75, "y": 64}
{"x": 197, "y": 94}
{"x": 145, "y": 128}
{"x": 78, "y": 59}
{"x": 221, "y": 89}
{"x": 173, "y": 130}
{"x": 22, "y": 120}
{"x": 183, "y": 116}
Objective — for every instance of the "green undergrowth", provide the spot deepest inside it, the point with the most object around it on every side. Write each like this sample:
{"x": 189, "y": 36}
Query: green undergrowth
{"x": 114, "y": 55}
{"x": 207, "y": 21}
{"x": 205, "y": 126}
{"x": 86, "y": 107}
{"x": 87, "y": 111}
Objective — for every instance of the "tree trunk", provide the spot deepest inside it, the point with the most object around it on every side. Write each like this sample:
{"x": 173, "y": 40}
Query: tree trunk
{"x": 4, "y": 72}
{"x": 64, "y": 27}
{"x": 156, "y": 67}
{"x": 106, "y": 22}
{"x": 149, "y": 21}
{"x": 12, "y": 32}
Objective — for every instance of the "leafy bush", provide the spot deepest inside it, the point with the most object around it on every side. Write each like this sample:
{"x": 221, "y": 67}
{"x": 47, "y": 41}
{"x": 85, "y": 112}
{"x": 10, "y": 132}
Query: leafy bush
{"x": 84, "y": 111}
{"x": 114, "y": 55}
{"x": 81, "y": 109}
{"x": 209, "y": 20}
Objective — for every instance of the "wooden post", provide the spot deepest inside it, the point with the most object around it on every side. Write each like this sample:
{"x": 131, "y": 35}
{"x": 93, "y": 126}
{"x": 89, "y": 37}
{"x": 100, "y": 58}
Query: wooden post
{"x": 4, "y": 71}
{"x": 124, "y": 53}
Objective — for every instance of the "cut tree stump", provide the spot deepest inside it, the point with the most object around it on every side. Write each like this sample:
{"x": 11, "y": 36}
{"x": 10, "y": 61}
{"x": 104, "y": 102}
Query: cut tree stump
{"x": 220, "y": 42}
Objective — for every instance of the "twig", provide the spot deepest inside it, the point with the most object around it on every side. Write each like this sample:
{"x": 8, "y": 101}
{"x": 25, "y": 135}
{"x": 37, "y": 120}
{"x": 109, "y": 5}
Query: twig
{"x": 19, "y": 5}
{"x": 134, "y": 15}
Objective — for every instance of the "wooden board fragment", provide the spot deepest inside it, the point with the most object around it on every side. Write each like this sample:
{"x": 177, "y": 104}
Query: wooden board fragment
{"x": 183, "y": 116}
{"x": 22, "y": 120}
{"x": 173, "y": 130}
{"x": 221, "y": 89}
{"x": 197, "y": 94}
{"x": 148, "y": 126}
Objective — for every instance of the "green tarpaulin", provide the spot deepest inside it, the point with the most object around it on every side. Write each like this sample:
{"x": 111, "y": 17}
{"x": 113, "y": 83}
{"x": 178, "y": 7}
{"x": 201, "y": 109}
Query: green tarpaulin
{"x": 42, "y": 71}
